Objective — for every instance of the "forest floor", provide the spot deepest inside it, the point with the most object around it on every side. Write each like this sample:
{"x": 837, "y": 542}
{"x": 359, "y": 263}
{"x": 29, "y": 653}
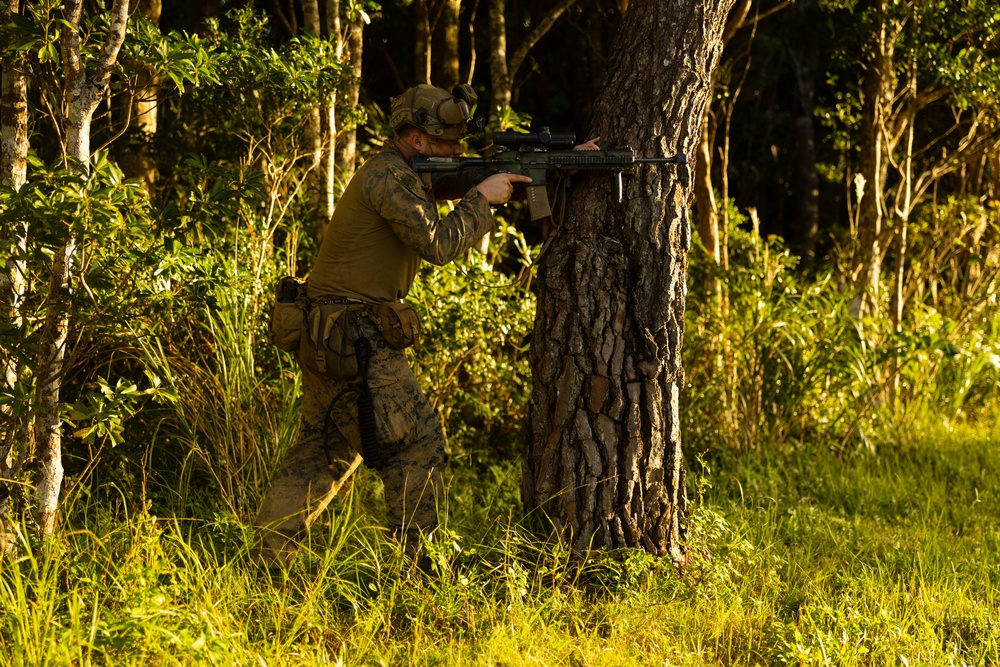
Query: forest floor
{"x": 883, "y": 557}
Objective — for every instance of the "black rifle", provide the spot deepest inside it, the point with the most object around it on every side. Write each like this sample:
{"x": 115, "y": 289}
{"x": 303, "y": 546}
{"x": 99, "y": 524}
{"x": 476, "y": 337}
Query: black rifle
{"x": 538, "y": 154}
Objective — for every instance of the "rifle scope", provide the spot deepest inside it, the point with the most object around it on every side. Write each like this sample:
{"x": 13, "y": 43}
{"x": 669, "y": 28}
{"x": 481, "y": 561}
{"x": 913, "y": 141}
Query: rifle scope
{"x": 543, "y": 139}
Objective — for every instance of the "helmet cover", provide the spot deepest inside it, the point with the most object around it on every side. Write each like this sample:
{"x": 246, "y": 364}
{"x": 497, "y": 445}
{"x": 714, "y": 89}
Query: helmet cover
{"x": 434, "y": 110}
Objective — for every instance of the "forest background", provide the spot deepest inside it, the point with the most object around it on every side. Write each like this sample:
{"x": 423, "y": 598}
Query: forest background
{"x": 841, "y": 341}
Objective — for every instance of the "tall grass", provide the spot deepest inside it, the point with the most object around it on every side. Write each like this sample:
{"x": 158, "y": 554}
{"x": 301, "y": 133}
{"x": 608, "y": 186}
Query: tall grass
{"x": 866, "y": 560}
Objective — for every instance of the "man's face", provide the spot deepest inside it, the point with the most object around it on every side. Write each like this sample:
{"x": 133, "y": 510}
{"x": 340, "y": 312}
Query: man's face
{"x": 429, "y": 146}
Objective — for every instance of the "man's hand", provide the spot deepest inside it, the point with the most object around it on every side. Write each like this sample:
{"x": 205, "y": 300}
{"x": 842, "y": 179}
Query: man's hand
{"x": 499, "y": 187}
{"x": 590, "y": 145}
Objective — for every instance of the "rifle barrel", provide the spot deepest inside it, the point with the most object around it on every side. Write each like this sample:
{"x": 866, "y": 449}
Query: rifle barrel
{"x": 677, "y": 159}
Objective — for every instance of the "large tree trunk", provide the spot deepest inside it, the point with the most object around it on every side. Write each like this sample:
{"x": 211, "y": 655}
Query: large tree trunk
{"x": 82, "y": 95}
{"x": 604, "y": 464}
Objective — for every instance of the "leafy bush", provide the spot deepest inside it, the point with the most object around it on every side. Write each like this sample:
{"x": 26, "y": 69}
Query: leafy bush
{"x": 774, "y": 358}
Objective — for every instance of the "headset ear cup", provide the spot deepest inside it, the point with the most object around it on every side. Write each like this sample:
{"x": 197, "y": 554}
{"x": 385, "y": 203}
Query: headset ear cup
{"x": 466, "y": 93}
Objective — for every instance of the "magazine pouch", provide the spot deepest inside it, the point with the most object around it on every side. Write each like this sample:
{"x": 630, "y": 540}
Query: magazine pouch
{"x": 330, "y": 348}
{"x": 398, "y": 322}
{"x": 288, "y": 317}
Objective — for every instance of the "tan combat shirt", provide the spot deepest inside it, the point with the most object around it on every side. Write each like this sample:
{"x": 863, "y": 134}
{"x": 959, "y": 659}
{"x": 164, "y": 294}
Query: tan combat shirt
{"x": 384, "y": 224}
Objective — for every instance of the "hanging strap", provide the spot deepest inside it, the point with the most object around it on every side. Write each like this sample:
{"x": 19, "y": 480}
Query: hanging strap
{"x": 371, "y": 451}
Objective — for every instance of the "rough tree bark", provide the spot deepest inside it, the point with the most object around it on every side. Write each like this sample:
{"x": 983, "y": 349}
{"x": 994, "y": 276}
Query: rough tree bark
{"x": 82, "y": 94}
{"x": 604, "y": 465}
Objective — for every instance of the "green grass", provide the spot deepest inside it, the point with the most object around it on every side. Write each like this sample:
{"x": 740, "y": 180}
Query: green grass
{"x": 798, "y": 557}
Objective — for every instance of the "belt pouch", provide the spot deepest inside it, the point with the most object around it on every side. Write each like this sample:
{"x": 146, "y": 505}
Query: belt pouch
{"x": 330, "y": 348}
{"x": 398, "y": 322}
{"x": 288, "y": 317}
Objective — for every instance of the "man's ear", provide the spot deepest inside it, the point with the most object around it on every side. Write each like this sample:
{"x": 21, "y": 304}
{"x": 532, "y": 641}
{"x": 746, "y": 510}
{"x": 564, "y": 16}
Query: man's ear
{"x": 417, "y": 141}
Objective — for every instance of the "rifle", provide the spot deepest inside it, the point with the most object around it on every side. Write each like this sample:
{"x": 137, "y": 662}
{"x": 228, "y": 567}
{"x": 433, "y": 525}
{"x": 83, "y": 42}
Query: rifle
{"x": 538, "y": 154}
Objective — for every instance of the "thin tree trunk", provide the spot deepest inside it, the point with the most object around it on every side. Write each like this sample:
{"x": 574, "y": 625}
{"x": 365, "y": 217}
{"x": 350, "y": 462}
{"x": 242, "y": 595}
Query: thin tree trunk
{"x": 803, "y": 236}
{"x": 336, "y": 37}
{"x": 704, "y": 195}
{"x": 444, "y": 52}
{"x": 347, "y": 140}
{"x": 82, "y": 95}
{"x": 143, "y": 110}
{"x": 705, "y": 204}
{"x": 502, "y": 70}
{"x": 471, "y": 26}
{"x": 604, "y": 465}
{"x": 422, "y": 42}
{"x": 316, "y": 185}
{"x": 877, "y": 87}
{"x": 499, "y": 76}
{"x": 16, "y": 444}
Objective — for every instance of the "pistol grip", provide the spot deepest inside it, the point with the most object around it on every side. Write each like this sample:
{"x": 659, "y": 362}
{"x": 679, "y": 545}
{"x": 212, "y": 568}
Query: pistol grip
{"x": 538, "y": 202}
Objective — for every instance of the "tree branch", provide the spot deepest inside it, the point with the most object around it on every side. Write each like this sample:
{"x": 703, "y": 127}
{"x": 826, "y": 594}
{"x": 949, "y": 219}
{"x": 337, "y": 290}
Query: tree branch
{"x": 529, "y": 43}
{"x": 70, "y": 43}
{"x": 112, "y": 45}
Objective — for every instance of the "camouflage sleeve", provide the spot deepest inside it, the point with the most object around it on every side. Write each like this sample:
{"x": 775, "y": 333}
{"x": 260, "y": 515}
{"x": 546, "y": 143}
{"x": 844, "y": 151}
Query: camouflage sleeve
{"x": 456, "y": 186}
{"x": 402, "y": 199}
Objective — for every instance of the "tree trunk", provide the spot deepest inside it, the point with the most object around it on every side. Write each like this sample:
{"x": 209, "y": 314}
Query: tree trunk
{"x": 704, "y": 193}
{"x": 15, "y": 444}
{"x": 502, "y": 70}
{"x": 877, "y": 88}
{"x": 604, "y": 465}
{"x": 335, "y": 36}
{"x": 422, "y": 42}
{"x": 347, "y": 140}
{"x": 499, "y": 76}
{"x": 444, "y": 52}
{"x": 142, "y": 110}
{"x": 708, "y": 210}
{"x": 805, "y": 60}
{"x": 316, "y": 185}
{"x": 82, "y": 95}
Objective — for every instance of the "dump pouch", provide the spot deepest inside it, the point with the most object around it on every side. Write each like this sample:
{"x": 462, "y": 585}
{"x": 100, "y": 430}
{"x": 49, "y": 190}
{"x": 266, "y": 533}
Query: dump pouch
{"x": 288, "y": 317}
{"x": 398, "y": 323}
{"x": 329, "y": 348}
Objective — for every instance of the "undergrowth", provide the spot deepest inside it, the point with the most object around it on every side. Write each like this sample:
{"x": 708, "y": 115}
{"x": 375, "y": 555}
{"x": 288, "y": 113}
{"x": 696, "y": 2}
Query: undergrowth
{"x": 874, "y": 558}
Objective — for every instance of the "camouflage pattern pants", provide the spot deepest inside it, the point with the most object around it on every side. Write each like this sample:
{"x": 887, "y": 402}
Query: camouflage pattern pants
{"x": 322, "y": 459}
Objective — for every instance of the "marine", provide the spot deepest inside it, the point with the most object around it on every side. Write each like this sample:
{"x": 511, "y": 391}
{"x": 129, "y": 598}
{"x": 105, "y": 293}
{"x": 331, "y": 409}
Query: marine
{"x": 350, "y": 326}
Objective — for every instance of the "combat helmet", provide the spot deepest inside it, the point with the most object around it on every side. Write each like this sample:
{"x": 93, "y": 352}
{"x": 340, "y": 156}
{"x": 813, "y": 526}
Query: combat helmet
{"x": 436, "y": 111}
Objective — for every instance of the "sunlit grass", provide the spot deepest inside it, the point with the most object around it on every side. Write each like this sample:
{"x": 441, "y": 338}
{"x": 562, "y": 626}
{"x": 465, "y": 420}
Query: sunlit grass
{"x": 795, "y": 558}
